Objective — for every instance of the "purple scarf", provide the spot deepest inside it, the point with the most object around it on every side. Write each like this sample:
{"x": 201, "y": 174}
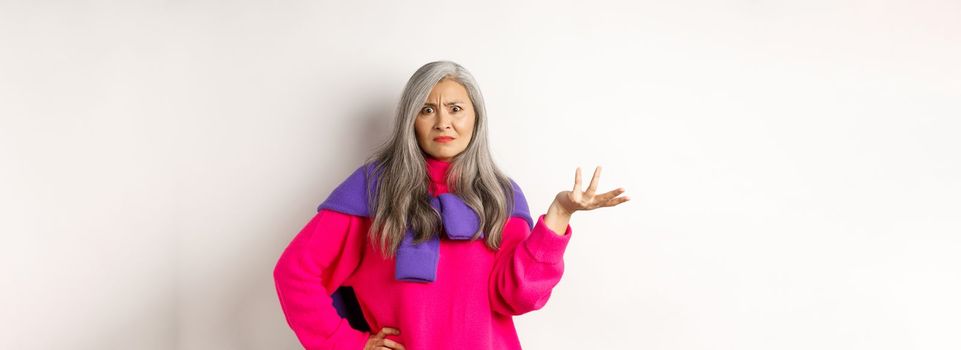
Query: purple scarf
{"x": 417, "y": 262}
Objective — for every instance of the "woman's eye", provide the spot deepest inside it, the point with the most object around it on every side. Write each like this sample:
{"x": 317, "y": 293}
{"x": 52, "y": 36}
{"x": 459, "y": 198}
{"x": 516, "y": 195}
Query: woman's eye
{"x": 427, "y": 110}
{"x": 457, "y": 108}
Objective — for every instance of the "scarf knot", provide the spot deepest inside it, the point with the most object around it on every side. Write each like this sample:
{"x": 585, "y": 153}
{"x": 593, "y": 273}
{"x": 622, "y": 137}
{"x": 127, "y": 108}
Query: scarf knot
{"x": 418, "y": 262}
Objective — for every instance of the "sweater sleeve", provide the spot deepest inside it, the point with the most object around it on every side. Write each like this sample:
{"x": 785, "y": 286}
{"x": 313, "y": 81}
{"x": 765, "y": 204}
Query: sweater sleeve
{"x": 527, "y": 267}
{"x": 315, "y": 263}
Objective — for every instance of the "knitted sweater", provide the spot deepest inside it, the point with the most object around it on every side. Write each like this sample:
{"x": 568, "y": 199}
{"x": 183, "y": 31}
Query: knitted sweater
{"x": 469, "y": 306}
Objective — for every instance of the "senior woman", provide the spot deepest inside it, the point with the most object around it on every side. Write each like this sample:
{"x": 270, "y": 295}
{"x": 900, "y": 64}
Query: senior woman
{"x": 428, "y": 245}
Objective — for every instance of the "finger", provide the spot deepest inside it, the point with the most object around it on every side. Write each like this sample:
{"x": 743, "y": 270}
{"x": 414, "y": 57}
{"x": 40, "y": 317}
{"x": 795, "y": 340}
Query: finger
{"x": 393, "y": 344}
{"x": 617, "y": 201}
{"x": 388, "y": 330}
{"x": 610, "y": 194}
{"x": 577, "y": 180}
{"x": 594, "y": 180}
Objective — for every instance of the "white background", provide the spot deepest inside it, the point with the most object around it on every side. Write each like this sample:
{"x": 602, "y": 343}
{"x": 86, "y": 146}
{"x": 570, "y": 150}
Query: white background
{"x": 794, "y": 166}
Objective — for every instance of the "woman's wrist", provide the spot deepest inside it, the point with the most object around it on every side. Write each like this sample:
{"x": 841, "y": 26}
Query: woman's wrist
{"x": 557, "y": 219}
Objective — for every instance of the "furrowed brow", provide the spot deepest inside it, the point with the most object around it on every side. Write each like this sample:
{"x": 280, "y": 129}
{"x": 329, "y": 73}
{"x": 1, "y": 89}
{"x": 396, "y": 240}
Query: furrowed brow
{"x": 446, "y": 104}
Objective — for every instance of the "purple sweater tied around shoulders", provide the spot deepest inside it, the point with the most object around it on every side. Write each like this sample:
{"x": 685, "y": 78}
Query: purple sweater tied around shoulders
{"x": 416, "y": 262}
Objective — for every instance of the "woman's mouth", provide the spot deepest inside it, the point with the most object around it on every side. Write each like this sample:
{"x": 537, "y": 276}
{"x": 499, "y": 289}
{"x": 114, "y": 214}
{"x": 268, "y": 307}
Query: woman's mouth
{"x": 444, "y": 139}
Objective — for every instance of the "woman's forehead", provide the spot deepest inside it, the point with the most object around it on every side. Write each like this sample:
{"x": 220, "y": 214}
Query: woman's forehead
{"x": 451, "y": 94}
{"x": 448, "y": 86}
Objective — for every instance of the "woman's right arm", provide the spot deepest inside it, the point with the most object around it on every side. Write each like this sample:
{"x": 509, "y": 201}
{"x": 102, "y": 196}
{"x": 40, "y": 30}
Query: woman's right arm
{"x": 317, "y": 261}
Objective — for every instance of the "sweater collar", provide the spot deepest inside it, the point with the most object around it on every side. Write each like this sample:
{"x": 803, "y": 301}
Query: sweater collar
{"x": 437, "y": 171}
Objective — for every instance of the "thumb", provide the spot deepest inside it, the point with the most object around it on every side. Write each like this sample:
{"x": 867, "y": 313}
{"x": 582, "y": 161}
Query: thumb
{"x": 387, "y": 330}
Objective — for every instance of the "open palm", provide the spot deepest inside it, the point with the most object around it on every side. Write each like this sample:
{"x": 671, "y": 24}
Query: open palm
{"x": 576, "y": 199}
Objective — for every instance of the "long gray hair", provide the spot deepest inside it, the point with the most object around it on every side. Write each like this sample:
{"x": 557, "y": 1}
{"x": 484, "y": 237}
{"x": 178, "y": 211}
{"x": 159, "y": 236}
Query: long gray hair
{"x": 402, "y": 195}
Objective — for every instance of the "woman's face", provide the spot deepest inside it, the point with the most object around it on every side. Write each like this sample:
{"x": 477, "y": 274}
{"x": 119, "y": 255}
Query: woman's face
{"x": 448, "y": 112}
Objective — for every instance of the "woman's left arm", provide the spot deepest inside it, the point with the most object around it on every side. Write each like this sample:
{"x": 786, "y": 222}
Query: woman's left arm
{"x": 528, "y": 266}
{"x": 530, "y": 262}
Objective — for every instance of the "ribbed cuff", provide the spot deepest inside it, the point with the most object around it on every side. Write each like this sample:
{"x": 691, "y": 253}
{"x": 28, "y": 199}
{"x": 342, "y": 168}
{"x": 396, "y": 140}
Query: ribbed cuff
{"x": 545, "y": 245}
{"x": 417, "y": 263}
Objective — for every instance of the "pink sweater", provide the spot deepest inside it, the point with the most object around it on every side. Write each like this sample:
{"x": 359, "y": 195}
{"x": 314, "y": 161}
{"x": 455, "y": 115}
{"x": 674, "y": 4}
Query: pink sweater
{"x": 469, "y": 305}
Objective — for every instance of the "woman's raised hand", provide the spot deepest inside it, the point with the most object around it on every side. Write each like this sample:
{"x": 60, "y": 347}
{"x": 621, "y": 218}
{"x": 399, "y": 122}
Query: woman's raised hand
{"x": 380, "y": 342}
{"x": 571, "y": 201}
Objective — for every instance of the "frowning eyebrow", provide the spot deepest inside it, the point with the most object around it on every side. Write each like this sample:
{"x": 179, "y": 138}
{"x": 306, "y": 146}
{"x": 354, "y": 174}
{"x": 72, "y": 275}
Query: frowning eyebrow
{"x": 446, "y": 104}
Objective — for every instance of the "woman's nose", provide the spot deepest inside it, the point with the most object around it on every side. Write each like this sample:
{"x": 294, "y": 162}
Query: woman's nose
{"x": 443, "y": 121}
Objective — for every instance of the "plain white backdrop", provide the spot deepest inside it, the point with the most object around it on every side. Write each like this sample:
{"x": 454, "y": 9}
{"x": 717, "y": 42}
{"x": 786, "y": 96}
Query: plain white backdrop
{"x": 794, "y": 166}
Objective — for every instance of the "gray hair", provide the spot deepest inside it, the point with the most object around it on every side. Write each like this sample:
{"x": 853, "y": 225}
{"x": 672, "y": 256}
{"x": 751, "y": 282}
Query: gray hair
{"x": 402, "y": 195}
